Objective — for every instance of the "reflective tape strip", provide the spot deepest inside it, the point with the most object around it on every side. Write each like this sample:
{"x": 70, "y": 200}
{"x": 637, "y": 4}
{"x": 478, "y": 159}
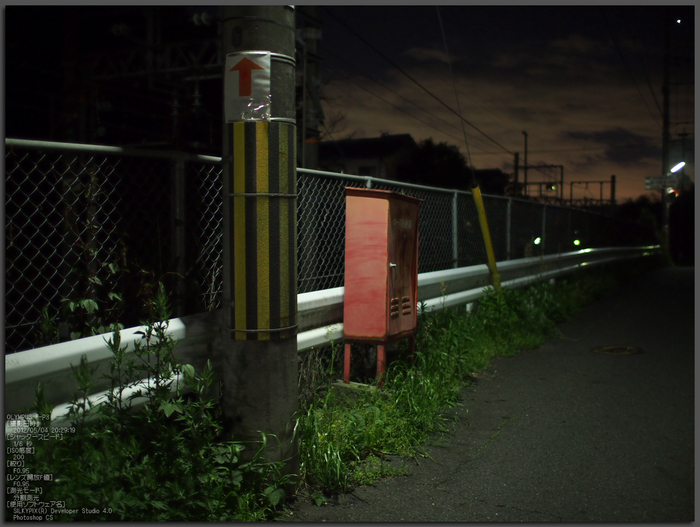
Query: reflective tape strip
{"x": 264, "y": 231}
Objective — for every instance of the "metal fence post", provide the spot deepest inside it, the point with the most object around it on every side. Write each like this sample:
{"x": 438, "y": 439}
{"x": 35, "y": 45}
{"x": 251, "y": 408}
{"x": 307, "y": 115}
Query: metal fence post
{"x": 509, "y": 208}
{"x": 544, "y": 225}
{"x": 455, "y": 226}
{"x": 177, "y": 215}
{"x": 71, "y": 190}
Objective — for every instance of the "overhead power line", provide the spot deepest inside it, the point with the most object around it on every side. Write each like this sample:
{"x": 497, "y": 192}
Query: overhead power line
{"x": 454, "y": 85}
{"x": 644, "y": 66}
{"x": 624, "y": 63}
{"x": 407, "y": 75}
{"x": 462, "y": 119}
{"x": 402, "y": 98}
{"x": 390, "y": 103}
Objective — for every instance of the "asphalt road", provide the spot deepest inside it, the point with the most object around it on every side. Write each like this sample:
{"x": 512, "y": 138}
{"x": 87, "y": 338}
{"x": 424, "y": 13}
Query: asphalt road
{"x": 563, "y": 433}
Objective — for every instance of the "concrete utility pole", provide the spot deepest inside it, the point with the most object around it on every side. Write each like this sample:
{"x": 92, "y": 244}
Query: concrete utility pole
{"x": 260, "y": 363}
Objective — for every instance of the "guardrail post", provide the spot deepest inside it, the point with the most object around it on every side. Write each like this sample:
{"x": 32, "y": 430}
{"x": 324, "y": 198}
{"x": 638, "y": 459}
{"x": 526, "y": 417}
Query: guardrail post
{"x": 455, "y": 231}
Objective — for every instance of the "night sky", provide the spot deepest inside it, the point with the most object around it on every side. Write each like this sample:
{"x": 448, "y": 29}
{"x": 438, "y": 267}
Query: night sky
{"x": 585, "y": 83}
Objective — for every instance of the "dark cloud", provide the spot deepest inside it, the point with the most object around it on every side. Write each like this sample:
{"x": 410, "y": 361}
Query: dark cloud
{"x": 532, "y": 114}
{"x": 622, "y": 147}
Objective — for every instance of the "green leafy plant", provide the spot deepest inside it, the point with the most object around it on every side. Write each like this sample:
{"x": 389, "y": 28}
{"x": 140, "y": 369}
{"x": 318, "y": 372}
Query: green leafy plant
{"x": 94, "y": 312}
{"x": 96, "y": 304}
{"x": 166, "y": 461}
{"x": 47, "y": 328}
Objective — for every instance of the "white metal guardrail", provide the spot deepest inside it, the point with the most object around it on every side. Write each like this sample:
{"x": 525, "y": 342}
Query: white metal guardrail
{"x": 320, "y": 312}
{"x": 320, "y": 322}
{"x": 24, "y": 424}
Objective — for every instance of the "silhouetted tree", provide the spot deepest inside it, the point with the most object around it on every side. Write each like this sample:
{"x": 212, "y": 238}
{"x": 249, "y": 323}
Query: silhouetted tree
{"x": 645, "y": 210}
{"x": 492, "y": 181}
{"x": 438, "y": 165}
{"x": 443, "y": 165}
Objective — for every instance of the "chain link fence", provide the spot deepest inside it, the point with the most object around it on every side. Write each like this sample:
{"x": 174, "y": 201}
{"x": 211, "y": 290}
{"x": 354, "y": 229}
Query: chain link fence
{"x": 450, "y": 232}
{"x": 205, "y": 239}
{"x": 321, "y": 226}
{"x": 90, "y": 231}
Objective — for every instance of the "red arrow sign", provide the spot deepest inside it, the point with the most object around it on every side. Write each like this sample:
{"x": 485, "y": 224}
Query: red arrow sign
{"x": 245, "y": 77}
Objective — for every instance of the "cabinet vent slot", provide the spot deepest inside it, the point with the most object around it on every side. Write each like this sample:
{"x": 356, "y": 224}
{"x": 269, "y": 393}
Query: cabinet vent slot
{"x": 394, "y": 307}
{"x": 406, "y": 305}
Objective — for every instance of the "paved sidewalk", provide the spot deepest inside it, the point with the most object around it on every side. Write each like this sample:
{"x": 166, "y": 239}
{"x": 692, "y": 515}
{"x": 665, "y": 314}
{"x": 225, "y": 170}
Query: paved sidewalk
{"x": 562, "y": 433}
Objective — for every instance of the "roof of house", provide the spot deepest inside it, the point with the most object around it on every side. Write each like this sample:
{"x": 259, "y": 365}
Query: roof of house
{"x": 371, "y": 147}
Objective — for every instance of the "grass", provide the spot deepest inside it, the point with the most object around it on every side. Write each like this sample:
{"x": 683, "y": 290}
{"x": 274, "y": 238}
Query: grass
{"x": 343, "y": 437}
{"x": 170, "y": 462}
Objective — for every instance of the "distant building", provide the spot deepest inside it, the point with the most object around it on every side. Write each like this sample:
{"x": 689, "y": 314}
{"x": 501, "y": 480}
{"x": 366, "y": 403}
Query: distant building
{"x": 380, "y": 157}
{"x": 396, "y": 158}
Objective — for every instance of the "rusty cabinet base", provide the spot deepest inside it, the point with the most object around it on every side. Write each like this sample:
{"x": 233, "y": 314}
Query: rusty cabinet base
{"x": 381, "y": 356}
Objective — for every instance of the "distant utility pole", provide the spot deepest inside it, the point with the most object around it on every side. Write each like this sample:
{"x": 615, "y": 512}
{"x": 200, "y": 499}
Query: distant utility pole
{"x": 666, "y": 137}
{"x": 613, "y": 185}
{"x": 683, "y": 179}
{"x": 525, "y": 165}
{"x": 260, "y": 362}
{"x": 665, "y": 143}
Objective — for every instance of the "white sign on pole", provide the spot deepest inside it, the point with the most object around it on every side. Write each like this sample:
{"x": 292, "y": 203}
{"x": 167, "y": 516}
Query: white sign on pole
{"x": 660, "y": 182}
{"x": 247, "y": 86}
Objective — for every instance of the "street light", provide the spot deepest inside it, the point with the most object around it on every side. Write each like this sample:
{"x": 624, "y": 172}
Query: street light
{"x": 677, "y": 167}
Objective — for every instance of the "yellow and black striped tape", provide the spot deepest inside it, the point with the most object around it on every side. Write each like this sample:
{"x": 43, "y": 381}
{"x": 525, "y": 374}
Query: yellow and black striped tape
{"x": 263, "y": 227}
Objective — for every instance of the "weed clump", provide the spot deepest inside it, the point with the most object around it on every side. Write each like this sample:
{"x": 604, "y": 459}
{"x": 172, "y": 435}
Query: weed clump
{"x": 165, "y": 462}
{"x": 345, "y": 440}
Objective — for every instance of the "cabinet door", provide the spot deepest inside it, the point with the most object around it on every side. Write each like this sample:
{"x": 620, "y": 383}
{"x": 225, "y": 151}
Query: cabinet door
{"x": 366, "y": 255}
{"x": 403, "y": 252}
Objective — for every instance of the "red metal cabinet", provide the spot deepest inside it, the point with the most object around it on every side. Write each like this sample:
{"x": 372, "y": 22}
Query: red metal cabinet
{"x": 381, "y": 271}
